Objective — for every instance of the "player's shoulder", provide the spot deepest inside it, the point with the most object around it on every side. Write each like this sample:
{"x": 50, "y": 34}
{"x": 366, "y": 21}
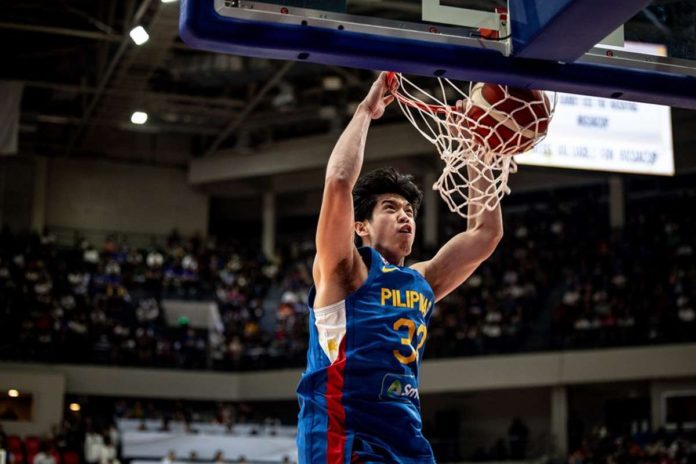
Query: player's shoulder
{"x": 420, "y": 267}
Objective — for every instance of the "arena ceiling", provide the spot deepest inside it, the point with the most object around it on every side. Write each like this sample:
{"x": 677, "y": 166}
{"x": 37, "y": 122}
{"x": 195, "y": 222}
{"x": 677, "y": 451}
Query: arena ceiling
{"x": 84, "y": 77}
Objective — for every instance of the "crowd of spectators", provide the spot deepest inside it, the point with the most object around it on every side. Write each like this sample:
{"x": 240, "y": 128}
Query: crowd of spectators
{"x": 561, "y": 278}
{"x": 490, "y": 313}
{"x": 71, "y": 442}
{"x": 640, "y": 447}
{"x": 634, "y": 285}
{"x": 104, "y": 305}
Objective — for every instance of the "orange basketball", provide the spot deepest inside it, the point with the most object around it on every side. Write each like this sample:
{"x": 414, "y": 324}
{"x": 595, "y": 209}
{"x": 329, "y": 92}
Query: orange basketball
{"x": 507, "y": 120}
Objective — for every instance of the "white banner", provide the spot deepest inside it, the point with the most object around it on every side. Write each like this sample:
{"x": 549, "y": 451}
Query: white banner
{"x": 606, "y": 135}
{"x": 156, "y": 445}
{"x": 602, "y": 134}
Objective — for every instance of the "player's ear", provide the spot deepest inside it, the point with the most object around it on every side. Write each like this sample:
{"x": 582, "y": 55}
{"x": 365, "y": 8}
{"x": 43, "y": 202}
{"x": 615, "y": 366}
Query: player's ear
{"x": 361, "y": 228}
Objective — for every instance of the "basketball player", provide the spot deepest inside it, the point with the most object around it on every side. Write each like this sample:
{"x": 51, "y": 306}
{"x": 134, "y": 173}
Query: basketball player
{"x": 368, "y": 313}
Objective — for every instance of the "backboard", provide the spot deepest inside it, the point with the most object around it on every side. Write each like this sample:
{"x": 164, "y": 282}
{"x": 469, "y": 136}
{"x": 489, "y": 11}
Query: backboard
{"x": 572, "y": 46}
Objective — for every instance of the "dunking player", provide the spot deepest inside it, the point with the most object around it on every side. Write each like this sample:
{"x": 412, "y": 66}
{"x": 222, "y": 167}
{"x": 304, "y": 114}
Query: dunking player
{"x": 368, "y": 313}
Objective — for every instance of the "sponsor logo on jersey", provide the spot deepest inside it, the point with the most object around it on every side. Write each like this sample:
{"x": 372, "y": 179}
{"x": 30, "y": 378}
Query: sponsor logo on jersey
{"x": 394, "y": 389}
{"x": 399, "y": 387}
{"x": 387, "y": 266}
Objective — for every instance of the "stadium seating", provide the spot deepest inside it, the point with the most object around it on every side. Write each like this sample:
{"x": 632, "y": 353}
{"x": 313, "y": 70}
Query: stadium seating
{"x": 561, "y": 279}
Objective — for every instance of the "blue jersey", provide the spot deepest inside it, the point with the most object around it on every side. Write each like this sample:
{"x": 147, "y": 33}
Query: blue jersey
{"x": 359, "y": 395}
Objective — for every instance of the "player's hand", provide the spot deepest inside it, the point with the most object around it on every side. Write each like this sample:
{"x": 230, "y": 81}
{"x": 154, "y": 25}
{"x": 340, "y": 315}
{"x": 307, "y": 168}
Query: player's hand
{"x": 377, "y": 99}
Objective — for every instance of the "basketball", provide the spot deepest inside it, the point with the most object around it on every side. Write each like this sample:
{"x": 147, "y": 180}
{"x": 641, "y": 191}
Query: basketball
{"x": 507, "y": 120}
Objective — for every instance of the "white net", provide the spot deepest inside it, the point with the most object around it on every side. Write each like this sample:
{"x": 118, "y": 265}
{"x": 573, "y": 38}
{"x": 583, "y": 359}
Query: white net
{"x": 476, "y": 134}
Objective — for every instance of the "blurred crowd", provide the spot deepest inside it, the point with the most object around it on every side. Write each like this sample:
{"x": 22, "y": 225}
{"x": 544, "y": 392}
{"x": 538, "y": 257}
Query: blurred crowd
{"x": 640, "y": 447}
{"x": 104, "y": 305}
{"x": 562, "y": 278}
{"x": 634, "y": 285}
{"x": 71, "y": 442}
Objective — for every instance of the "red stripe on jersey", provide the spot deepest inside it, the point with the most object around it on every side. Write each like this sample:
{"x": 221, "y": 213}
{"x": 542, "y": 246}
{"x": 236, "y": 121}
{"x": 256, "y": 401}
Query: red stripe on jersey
{"x": 336, "y": 436}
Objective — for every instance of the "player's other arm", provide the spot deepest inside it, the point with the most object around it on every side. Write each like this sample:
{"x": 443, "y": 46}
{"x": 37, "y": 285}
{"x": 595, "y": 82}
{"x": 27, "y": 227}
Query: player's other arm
{"x": 337, "y": 258}
{"x": 464, "y": 252}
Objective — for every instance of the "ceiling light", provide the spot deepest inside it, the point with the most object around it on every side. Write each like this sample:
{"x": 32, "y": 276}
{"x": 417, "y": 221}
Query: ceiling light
{"x": 168, "y": 1}
{"x": 139, "y": 35}
{"x": 139, "y": 117}
{"x": 12, "y": 393}
{"x": 75, "y": 407}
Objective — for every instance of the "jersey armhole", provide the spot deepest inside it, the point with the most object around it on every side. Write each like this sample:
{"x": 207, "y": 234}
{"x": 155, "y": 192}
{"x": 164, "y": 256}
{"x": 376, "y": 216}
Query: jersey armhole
{"x": 371, "y": 259}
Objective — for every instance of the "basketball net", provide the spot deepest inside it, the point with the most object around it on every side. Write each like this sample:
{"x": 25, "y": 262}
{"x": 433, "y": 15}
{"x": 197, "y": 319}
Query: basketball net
{"x": 478, "y": 162}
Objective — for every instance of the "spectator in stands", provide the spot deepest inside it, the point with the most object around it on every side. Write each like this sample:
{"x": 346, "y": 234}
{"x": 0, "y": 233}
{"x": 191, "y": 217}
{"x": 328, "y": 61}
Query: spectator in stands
{"x": 44, "y": 455}
{"x": 114, "y": 435}
{"x": 165, "y": 424}
{"x": 640, "y": 447}
{"x": 9, "y": 457}
{"x": 93, "y": 445}
{"x": 108, "y": 453}
{"x": 219, "y": 457}
{"x": 518, "y": 437}
{"x": 58, "y": 438}
{"x": 170, "y": 458}
{"x": 224, "y": 414}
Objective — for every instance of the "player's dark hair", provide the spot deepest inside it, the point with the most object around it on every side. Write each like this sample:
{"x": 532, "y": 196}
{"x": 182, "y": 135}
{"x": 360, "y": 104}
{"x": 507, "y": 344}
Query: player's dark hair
{"x": 379, "y": 182}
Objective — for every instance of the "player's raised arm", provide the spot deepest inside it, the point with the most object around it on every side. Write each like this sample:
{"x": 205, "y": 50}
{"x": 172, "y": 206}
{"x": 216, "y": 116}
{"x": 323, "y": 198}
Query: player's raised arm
{"x": 464, "y": 252}
{"x": 336, "y": 253}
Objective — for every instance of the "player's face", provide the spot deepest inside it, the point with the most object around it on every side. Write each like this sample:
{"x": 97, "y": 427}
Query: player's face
{"x": 392, "y": 229}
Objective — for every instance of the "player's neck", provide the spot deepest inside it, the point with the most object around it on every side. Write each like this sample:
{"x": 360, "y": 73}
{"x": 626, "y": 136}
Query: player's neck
{"x": 392, "y": 258}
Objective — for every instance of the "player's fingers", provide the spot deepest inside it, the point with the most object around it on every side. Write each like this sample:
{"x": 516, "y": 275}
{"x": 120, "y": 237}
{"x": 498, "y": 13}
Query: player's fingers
{"x": 392, "y": 81}
{"x": 388, "y": 99}
{"x": 382, "y": 79}
{"x": 380, "y": 84}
